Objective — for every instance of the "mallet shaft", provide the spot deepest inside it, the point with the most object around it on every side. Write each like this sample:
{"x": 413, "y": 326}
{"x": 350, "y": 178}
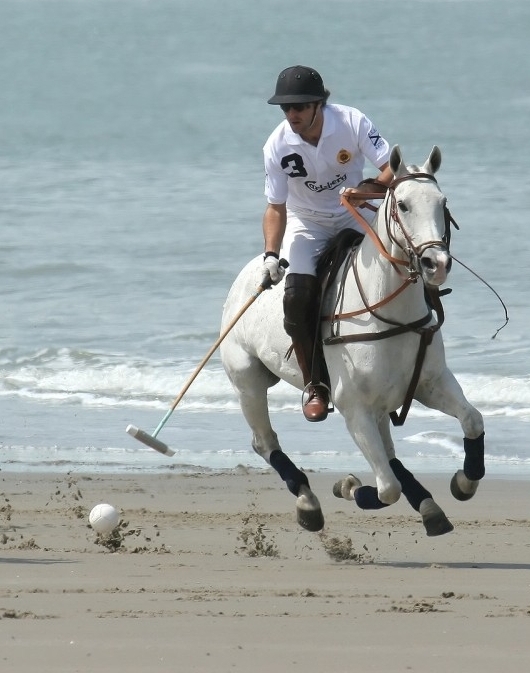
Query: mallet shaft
{"x": 151, "y": 440}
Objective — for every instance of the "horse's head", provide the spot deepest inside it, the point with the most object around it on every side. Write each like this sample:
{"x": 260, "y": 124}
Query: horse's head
{"x": 416, "y": 216}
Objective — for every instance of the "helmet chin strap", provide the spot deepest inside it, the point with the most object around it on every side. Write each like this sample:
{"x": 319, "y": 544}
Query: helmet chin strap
{"x": 314, "y": 117}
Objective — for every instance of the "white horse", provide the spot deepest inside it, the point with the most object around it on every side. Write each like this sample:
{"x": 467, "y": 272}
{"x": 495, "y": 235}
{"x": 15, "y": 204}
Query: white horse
{"x": 382, "y": 347}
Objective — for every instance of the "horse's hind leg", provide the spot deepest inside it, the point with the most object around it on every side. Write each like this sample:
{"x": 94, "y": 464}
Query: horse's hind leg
{"x": 308, "y": 511}
{"x": 252, "y": 383}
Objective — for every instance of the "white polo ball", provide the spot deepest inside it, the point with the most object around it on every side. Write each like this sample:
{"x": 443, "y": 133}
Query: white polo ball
{"x": 104, "y": 518}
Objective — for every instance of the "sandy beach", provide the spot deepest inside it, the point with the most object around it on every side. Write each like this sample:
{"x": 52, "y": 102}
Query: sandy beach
{"x": 211, "y": 572}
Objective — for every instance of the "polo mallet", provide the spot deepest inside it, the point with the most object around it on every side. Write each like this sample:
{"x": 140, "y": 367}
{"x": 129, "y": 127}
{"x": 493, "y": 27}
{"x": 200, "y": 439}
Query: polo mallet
{"x": 151, "y": 440}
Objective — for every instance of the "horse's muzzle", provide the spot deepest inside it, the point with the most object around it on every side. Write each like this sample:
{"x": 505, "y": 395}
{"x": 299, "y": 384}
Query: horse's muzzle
{"x": 435, "y": 264}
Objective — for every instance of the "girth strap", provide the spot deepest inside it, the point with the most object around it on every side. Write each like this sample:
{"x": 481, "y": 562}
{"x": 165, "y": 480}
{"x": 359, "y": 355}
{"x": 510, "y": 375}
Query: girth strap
{"x": 376, "y": 336}
{"x": 426, "y": 337}
{"x": 399, "y": 419}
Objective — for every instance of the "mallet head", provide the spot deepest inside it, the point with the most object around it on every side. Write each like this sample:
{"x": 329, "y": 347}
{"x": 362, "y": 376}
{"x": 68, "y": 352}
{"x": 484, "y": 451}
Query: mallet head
{"x": 149, "y": 440}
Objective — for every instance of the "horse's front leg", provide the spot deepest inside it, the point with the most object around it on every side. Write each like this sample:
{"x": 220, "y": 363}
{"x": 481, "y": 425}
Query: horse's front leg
{"x": 420, "y": 499}
{"x": 465, "y": 482}
{"x": 253, "y": 401}
{"x": 445, "y": 394}
{"x": 366, "y": 497}
{"x": 364, "y": 429}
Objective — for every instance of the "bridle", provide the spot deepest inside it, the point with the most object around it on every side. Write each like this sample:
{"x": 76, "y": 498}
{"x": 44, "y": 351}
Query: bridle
{"x": 413, "y": 254}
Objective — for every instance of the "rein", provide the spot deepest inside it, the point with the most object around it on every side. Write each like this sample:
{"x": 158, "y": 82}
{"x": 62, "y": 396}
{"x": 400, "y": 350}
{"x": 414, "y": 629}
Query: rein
{"x": 368, "y": 229}
{"x": 391, "y": 214}
{"x": 418, "y": 326}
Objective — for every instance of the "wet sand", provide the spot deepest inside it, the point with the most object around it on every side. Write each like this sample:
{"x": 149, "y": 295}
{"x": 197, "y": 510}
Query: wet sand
{"x": 210, "y": 572}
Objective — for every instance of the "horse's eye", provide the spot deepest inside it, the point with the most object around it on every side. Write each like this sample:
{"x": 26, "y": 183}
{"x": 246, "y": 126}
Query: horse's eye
{"x": 402, "y": 206}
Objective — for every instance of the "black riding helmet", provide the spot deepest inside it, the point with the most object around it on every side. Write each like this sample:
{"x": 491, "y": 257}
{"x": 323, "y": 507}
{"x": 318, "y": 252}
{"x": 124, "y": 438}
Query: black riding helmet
{"x": 298, "y": 84}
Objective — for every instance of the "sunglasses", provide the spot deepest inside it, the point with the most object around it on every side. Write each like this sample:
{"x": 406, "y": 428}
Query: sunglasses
{"x": 297, "y": 107}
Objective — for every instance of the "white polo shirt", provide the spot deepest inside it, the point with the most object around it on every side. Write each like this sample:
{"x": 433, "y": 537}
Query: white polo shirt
{"x": 308, "y": 177}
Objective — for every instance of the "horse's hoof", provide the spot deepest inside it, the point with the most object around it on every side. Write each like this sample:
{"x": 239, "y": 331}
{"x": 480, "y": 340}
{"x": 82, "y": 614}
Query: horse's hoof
{"x": 345, "y": 488}
{"x": 308, "y": 512}
{"x": 312, "y": 521}
{"x": 434, "y": 520}
{"x": 463, "y": 488}
{"x": 337, "y": 488}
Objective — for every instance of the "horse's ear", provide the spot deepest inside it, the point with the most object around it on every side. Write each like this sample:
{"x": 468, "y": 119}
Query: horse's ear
{"x": 396, "y": 161}
{"x": 434, "y": 161}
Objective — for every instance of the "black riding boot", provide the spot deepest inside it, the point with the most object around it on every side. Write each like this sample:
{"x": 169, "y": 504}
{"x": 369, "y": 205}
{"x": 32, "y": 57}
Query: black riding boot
{"x": 300, "y": 304}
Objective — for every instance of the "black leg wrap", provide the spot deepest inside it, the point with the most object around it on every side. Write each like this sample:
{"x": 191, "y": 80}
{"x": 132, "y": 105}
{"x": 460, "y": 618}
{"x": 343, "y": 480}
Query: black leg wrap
{"x": 366, "y": 498}
{"x": 474, "y": 461}
{"x": 411, "y": 488}
{"x": 291, "y": 475}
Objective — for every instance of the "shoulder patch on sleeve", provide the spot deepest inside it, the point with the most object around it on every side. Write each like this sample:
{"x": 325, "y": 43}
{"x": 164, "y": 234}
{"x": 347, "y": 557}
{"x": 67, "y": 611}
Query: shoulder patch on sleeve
{"x": 375, "y": 138}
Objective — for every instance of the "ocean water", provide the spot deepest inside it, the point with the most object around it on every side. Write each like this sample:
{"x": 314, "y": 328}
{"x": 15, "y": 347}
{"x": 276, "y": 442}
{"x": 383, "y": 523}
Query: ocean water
{"x": 131, "y": 193}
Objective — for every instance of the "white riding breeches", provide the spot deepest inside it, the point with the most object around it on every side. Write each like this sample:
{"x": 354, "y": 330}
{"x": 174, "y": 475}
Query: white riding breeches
{"x": 308, "y": 233}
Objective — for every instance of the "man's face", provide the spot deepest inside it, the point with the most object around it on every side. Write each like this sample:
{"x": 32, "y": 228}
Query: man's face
{"x": 299, "y": 115}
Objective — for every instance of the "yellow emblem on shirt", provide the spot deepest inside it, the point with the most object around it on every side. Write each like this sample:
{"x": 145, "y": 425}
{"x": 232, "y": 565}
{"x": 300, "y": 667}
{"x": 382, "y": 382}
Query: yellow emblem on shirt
{"x": 343, "y": 156}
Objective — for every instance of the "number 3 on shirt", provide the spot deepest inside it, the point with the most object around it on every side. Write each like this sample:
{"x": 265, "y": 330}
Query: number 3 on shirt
{"x": 293, "y": 165}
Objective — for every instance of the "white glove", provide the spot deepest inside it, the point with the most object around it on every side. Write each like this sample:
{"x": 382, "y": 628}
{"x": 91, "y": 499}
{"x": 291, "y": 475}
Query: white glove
{"x": 271, "y": 266}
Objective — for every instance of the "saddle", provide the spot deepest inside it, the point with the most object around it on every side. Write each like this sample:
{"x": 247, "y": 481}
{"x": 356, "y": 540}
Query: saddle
{"x": 332, "y": 258}
{"x": 328, "y": 265}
